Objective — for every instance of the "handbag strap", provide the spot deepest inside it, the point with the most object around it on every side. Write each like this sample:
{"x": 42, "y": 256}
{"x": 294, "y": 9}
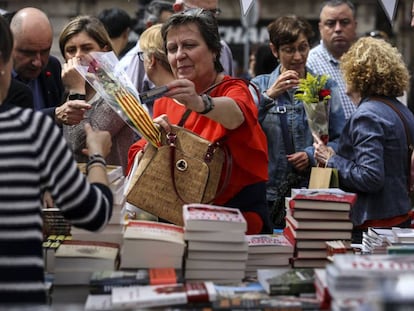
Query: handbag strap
{"x": 406, "y": 129}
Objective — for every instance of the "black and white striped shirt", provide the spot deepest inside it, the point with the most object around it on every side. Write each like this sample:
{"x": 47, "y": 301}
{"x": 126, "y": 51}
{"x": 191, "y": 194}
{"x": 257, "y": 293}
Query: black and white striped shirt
{"x": 34, "y": 157}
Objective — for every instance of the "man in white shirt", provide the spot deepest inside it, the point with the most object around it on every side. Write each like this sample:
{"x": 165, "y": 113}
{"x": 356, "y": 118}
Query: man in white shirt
{"x": 337, "y": 27}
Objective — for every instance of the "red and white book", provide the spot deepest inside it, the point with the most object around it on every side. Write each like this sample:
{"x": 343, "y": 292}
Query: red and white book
{"x": 319, "y": 224}
{"x": 266, "y": 243}
{"x": 206, "y": 217}
{"x": 162, "y": 295}
{"x": 323, "y": 199}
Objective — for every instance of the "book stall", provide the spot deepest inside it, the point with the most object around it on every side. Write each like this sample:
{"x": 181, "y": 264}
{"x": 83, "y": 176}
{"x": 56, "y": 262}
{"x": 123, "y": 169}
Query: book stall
{"x": 209, "y": 263}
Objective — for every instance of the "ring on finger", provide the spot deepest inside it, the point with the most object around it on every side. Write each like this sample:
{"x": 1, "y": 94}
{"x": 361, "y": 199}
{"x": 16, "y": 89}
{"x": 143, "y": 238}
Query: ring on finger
{"x": 287, "y": 81}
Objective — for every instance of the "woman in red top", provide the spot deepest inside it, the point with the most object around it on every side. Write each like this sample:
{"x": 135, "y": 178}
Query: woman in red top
{"x": 192, "y": 45}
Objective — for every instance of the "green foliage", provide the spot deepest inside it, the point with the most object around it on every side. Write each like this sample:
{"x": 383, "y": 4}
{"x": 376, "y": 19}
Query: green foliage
{"x": 311, "y": 89}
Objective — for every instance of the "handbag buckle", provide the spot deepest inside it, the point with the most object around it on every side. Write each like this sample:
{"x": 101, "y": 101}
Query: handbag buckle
{"x": 171, "y": 137}
{"x": 281, "y": 109}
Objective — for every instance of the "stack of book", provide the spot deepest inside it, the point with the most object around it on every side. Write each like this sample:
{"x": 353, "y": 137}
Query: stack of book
{"x": 113, "y": 230}
{"x": 313, "y": 217}
{"x": 376, "y": 240}
{"x": 217, "y": 248}
{"x": 76, "y": 261}
{"x": 111, "y": 233}
{"x": 151, "y": 244}
{"x": 364, "y": 278}
{"x": 267, "y": 251}
{"x": 50, "y": 245}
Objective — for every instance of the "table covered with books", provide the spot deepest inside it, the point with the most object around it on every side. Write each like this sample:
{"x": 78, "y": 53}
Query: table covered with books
{"x": 211, "y": 264}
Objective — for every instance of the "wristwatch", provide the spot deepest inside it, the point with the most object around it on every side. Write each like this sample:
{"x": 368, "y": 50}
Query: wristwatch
{"x": 77, "y": 96}
{"x": 208, "y": 104}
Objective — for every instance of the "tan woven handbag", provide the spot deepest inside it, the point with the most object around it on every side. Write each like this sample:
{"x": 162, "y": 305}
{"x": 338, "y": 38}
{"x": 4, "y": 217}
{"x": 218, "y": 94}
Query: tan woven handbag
{"x": 185, "y": 169}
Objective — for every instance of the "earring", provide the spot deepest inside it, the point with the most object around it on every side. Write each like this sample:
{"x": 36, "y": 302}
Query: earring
{"x": 2, "y": 72}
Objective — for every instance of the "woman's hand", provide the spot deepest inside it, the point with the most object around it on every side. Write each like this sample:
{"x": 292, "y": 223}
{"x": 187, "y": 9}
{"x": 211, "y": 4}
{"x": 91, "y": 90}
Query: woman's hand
{"x": 299, "y": 160}
{"x": 71, "y": 78}
{"x": 72, "y": 112}
{"x": 284, "y": 82}
{"x": 97, "y": 141}
{"x": 183, "y": 90}
{"x": 163, "y": 121}
{"x": 322, "y": 152}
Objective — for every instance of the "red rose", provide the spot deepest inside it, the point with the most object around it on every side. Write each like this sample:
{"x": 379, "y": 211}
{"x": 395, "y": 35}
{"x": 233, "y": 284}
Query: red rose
{"x": 48, "y": 74}
{"x": 323, "y": 93}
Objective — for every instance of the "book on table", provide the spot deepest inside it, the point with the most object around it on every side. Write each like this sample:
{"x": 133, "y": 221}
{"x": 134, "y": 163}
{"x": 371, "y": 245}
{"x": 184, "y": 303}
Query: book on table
{"x": 217, "y": 246}
{"x": 268, "y": 259}
{"x": 266, "y": 243}
{"x": 319, "y": 224}
{"x": 163, "y": 243}
{"x": 309, "y": 262}
{"x": 162, "y": 295}
{"x": 299, "y": 213}
{"x": 214, "y": 236}
{"x": 102, "y": 282}
{"x": 75, "y": 260}
{"x": 323, "y": 199}
{"x": 214, "y": 264}
{"x": 50, "y": 245}
{"x": 217, "y": 255}
{"x": 403, "y": 235}
{"x": 292, "y": 281}
{"x": 207, "y": 217}
{"x": 294, "y": 234}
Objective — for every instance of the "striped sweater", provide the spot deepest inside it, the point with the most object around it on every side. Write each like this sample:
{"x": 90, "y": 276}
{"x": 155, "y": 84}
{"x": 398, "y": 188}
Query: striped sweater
{"x": 33, "y": 158}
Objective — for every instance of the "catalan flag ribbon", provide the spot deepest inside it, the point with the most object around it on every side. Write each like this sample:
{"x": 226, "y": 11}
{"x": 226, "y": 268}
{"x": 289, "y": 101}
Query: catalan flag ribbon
{"x": 101, "y": 71}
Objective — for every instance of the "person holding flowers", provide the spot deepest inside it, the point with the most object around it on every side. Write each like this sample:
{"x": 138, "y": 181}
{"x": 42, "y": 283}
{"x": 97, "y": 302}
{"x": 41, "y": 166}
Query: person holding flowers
{"x": 82, "y": 35}
{"x": 282, "y": 114}
{"x": 372, "y": 155}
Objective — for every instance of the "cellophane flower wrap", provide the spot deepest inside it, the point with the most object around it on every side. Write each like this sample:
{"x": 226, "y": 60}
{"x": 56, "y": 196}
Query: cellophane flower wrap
{"x": 315, "y": 98}
{"x": 102, "y": 71}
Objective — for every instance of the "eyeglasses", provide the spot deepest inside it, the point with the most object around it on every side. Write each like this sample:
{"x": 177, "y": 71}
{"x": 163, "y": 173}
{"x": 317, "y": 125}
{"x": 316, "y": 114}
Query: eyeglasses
{"x": 331, "y": 23}
{"x": 141, "y": 56}
{"x": 290, "y": 50}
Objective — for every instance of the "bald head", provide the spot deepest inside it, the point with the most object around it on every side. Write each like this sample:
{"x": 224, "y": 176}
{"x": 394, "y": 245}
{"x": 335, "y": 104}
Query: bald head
{"x": 33, "y": 37}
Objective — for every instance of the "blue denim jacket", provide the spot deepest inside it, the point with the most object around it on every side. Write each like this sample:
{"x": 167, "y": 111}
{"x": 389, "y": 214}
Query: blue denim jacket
{"x": 372, "y": 161}
{"x": 297, "y": 125}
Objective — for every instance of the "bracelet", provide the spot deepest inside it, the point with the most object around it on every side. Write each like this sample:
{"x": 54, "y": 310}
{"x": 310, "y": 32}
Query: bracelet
{"x": 77, "y": 96}
{"x": 95, "y": 158}
{"x": 89, "y": 166}
{"x": 208, "y": 104}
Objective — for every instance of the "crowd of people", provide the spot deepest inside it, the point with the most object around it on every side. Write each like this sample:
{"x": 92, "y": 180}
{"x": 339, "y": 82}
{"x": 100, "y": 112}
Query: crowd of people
{"x": 51, "y": 118}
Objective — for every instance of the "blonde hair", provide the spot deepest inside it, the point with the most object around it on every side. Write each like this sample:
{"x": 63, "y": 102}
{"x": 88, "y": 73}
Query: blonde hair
{"x": 152, "y": 43}
{"x": 373, "y": 66}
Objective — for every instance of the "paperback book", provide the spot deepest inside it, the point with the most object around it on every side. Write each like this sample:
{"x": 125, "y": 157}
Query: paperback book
{"x": 206, "y": 217}
{"x": 287, "y": 281}
{"x": 102, "y": 282}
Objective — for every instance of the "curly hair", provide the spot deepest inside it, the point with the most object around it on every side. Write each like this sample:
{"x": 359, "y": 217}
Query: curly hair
{"x": 374, "y": 67}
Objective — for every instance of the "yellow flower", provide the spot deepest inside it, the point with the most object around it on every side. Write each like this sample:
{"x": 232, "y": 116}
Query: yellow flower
{"x": 311, "y": 89}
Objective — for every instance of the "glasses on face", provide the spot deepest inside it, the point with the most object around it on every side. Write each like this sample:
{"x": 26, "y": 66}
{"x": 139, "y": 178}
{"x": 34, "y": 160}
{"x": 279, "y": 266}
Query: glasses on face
{"x": 291, "y": 50}
{"x": 331, "y": 23}
{"x": 141, "y": 56}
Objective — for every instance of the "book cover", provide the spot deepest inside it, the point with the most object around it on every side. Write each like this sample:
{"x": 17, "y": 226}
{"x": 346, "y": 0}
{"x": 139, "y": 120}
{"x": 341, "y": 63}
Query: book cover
{"x": 280, "y": 281}
{"x": 162, "y": 295}
{"x": 383, "y": 264}
{"x": 324, "y": 199}
{"x": 153, "y": 230}
{"x": 206, "y": 217}
{"x": 266, "y": 243}
{"x": 319, "y": 224}
{"x": 102, "y": 282}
